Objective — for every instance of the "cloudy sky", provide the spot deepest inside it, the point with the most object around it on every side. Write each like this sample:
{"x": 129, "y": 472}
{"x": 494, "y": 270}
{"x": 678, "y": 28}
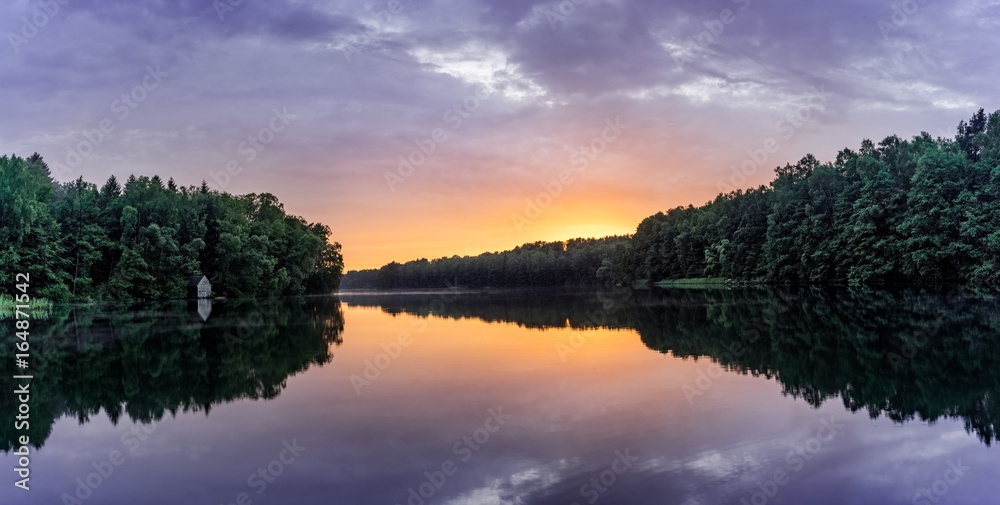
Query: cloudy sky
{"x": 598, "y": 112}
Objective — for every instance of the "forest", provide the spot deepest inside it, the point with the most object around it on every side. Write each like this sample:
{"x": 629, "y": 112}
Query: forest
{"x": 902, "y": 211}
{"x": 143, "y": 239}
{"x": 923, "y": 210}
{"x": 575, "y": 262}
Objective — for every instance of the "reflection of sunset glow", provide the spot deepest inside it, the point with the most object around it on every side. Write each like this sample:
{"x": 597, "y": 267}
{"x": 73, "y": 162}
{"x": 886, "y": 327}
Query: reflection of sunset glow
{"x": 611, "y": 368}
{"x": 598, "y": 366}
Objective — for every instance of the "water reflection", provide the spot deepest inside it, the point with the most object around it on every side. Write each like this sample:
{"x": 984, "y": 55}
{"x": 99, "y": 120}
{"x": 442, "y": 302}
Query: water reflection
{"x": 523, "y": 398}
{"x": 906, "y": 355}
{"x": 909, "y": 355}
{"x": 142, "y": 361}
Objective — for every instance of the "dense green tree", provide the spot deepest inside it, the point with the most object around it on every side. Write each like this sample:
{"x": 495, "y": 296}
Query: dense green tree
{"x": 920, "y": 210}
{"x": 29, "y": 233}
{"x": 77, "y": 210}
{"x": 143, "y": 239}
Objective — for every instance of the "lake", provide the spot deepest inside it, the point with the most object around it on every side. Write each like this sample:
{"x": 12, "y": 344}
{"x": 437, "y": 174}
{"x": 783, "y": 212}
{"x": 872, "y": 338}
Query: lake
{"x": 756, "y": 396}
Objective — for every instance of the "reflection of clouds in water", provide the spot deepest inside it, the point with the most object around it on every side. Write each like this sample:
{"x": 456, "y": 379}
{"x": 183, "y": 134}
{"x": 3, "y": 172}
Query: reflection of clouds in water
{"x": 707, "y": 477}
{"x": 532, "y": 475}
{"x": 489, "y": 495}
{"x": 713, "y": 464}
{"x": 503, "y": 490}
{"x": 531, "y": 485}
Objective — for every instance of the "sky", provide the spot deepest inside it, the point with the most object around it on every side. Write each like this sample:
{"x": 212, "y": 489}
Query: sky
{"x": 427, "y": 128}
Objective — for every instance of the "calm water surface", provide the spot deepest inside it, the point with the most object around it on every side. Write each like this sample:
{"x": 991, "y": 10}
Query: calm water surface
{"x": 539, "y": 397}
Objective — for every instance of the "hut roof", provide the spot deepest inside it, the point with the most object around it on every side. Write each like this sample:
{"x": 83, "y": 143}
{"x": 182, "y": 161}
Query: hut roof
{"x": 194, "y": 280}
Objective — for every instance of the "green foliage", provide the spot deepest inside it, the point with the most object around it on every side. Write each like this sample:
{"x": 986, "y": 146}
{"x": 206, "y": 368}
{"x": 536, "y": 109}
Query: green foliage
{"x": 29, "y": 234}
{"x": 575, "y": 262}
{"x": 923, "y": 210}
{"x": 40, "y": 307}
{"x": 143, "y": 240}
{"x": 705, "y": 282}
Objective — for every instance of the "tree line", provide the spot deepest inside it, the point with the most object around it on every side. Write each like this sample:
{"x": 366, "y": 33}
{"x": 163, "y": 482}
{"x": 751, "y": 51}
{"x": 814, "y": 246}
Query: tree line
{"x": 575, "y": 262}
{"x": 900, "y": 211}
{"x": 919, "y": 210}
{"x": 144, "y": 238}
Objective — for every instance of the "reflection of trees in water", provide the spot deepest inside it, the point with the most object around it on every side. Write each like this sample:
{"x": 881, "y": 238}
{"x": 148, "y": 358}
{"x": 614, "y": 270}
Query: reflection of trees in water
{"x": 144, "y": 361}
{"x": 536, "y": 308}
{"x": 914, "y": 355}
{"x": 906, "y": 355}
